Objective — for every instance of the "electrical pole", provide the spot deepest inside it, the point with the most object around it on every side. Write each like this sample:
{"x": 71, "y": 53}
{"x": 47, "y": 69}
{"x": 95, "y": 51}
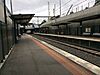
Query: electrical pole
{"x": 48, "y": 10}
{"x": 54, "y": 9}
{"x": 37, "y": 20}
{"x": 11, "y": 7}
{"x": 60, "y": 6}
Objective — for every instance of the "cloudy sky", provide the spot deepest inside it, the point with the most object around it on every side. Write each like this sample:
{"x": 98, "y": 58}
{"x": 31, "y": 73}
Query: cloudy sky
{"x": 40, "y": 7}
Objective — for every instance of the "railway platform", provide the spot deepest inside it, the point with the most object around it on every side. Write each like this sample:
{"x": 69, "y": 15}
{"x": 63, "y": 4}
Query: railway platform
{"x": 31, "y": 57}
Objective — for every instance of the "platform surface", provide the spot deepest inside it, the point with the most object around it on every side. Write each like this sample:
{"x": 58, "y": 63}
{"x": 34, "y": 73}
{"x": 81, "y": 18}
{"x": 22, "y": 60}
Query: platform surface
{"x": 27, "y": 58}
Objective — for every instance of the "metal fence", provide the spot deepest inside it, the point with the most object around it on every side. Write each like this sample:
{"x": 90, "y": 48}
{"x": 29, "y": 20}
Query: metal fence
{"x": 6, "y": 40}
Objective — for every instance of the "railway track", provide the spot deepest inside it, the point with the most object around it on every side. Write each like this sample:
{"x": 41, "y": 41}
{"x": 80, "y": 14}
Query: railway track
{"x": 84, "y": 53}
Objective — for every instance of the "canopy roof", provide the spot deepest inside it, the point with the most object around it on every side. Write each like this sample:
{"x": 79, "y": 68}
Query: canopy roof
{"x": 84, "y": 15}
{"x": 22, "y": 19}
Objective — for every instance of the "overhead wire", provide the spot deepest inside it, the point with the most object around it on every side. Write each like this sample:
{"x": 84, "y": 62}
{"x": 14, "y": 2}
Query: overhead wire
{"x": 63, "y": 5}
{"x": 64, "y": 10}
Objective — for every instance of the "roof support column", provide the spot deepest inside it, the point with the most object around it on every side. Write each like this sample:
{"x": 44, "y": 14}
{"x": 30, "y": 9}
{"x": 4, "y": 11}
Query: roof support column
{"x": 5, "y": 17}
{"x": 1, "y": 34}
{"x": 15, "y": 36}
{"x": 66, "y": 31}
{"x": 24, "y": 29}
{"x": 80, "y": 27}
{"x": 58, "y": 30}
{"x": 17, "y": 30}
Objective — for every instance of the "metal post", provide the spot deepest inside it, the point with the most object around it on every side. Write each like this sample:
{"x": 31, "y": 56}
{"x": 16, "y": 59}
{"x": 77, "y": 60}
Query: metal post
{"x": 24, "y": 29}
{"x": 60, "y": 6}
{"x": 66, "y": 29}
{"x": 2, "y": 42}
{"x": 5, "y": 15}
{"x": 15, "y": 32}
{"x": 48, "y": 10}
{"x": 81, "y": 28}
{"x": 88, "y": 5}
{"x": 11, "y": 7}
{"x": 58, "y": 29}
{"x": 37, "y": 20}
{"x": 76, "y": 9}
{"x": 82, "y": 7}
{"x": 54, "y": 9}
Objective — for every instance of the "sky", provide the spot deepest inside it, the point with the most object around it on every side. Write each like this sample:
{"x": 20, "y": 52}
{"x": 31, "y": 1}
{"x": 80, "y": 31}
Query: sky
{"x": 40, "y": 7}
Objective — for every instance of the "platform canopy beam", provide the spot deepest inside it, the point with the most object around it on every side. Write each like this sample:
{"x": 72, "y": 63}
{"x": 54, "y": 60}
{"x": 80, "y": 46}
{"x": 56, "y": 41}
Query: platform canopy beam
{"x": 22, "y": 18}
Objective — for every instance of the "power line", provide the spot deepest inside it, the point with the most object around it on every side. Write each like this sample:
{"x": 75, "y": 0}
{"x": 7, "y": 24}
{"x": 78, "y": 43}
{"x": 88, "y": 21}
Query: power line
{"x": 74, "y": 5}
{"x": 63, "y": 4}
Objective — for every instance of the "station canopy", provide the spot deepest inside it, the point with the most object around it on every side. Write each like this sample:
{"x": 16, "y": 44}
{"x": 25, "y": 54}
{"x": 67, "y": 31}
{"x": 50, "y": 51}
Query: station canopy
{"x": 22, "y": 19}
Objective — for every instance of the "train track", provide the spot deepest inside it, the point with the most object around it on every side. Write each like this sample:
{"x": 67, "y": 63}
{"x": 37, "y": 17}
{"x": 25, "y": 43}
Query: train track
{"x": 84, "y": 53}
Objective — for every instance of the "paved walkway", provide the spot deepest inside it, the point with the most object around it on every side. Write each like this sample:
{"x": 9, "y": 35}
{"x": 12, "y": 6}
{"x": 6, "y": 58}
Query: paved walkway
{"x": 29, "y": 59}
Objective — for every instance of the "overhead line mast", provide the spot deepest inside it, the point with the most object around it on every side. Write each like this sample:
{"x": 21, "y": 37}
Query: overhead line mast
{"x": 48, "y": 10}
{"x": 11, "y": 7}
{"x": 54, "y": 9}
{"x": 60, "y": 6}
